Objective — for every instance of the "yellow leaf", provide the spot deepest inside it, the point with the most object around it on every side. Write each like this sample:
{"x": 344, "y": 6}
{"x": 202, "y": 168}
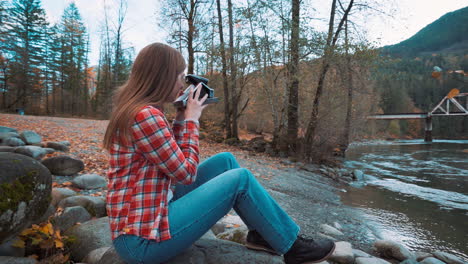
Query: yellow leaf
{"x": 18, "y": 243}
{"x": 27, "y": 232}
{"x": 58, "y": 243}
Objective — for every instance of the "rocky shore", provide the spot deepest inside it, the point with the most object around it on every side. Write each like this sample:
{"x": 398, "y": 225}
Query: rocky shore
{"x": 74, "y": 204}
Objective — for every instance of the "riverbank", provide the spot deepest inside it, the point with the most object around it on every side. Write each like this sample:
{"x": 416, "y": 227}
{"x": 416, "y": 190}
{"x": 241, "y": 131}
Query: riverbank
{"x": 310, "y": 198}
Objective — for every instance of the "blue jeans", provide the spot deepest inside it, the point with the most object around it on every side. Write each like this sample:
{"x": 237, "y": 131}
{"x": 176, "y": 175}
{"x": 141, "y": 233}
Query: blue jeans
{"x": 220, "y": 185}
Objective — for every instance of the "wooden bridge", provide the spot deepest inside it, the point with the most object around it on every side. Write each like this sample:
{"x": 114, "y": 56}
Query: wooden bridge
{"x": 451, "y": 105}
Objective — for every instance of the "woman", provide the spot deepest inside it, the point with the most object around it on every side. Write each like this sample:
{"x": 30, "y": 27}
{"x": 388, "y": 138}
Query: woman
{"x": 152, "y": 219}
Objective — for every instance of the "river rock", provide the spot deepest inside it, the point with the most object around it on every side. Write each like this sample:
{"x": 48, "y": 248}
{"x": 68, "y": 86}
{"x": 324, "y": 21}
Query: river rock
{"x": 89, "y": 235}
{"x": 13, "y": 142}
{"x": 362, "y": 260}
{"x": 360, "y": 254}
{"x": 358, "y": 175}
{"x": 16, "y": 260}
{"x": 25, "y": 186}
{"x": 6, "y": 149}
{"x": 431, "y": 260}
{"x": 58, "y": 146}
{"x": 70, "y": 216}
{"x": 410, "y": 261}
{"x": 65, "y": 142}
{"x": 5, "y": 135}
{"x": 63, "y": 165}
{"x": 391, "y": 249}
{"x": 30, "y": 137}
{"x": 96, "y": 206}
{"x": 4, "y": 129}
{"x": 58, "y": 194}
{"x": 327, "y": 229}
{"x": 421, "y": 255}
{"x": 33, "y": 151}
{"x": 89, "y": 181}
{"x": 94, "y": 256}
{"x": 238, "y": 235}
{"x": 343, "y": 253}
{"x": 218, "y": 228}
{"x": 448, "y": 258}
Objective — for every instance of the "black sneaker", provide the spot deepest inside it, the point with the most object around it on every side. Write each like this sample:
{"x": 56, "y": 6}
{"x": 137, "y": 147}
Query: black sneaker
{"x": 305, "y": 251}
{"x": 256, "y": 242}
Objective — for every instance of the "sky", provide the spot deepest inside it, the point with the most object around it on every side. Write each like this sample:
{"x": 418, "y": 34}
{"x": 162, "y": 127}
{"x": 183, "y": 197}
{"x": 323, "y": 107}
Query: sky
{"x": 402, "y": 19}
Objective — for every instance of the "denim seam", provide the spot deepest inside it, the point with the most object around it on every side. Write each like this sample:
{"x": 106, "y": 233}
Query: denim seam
{"x": 266, "y": 220}
{"x": 193, "y": 222}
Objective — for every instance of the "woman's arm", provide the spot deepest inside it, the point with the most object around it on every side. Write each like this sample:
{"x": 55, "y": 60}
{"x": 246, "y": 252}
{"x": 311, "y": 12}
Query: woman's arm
{"x": 153, "y": 138}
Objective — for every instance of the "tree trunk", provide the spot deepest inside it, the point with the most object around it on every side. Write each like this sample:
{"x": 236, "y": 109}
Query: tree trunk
{"x": 293, "y": 103}
{"x": 191, "y": 30}
{"x": 227, "y": 121}
{"x": 233, "y": 90}
{"x": 332, "y": 37}
{"x": 349, "y": 81}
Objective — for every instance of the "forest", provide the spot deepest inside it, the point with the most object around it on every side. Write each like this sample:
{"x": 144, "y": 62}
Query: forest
{"x": 307, "y": 91}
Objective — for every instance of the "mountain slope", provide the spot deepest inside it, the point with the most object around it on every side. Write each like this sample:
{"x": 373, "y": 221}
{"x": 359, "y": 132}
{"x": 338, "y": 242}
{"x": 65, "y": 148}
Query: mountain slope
{"x": 448, "y": 33}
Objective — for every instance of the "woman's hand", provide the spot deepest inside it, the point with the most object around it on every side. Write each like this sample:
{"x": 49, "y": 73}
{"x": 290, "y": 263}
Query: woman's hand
{"x": 195, "y": 106}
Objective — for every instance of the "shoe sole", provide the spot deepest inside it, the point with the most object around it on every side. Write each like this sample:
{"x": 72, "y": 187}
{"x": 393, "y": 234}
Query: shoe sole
{"x": 322, "y": 259}
{"x": 260, "y": 248}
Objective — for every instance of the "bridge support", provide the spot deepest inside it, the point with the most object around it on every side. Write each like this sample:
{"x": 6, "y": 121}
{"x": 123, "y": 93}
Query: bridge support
{"x": 428, "y": 129}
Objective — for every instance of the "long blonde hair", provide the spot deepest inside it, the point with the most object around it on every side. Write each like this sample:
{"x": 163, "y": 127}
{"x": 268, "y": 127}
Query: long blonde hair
{"x": 151, "y": 82}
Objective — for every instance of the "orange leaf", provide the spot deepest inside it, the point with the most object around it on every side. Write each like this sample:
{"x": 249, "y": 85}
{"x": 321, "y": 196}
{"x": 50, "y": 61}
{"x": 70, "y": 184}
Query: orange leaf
{"x": 453, "y": 93}
{"x": 58, "y": 243}
{"x": 236, "y": 225}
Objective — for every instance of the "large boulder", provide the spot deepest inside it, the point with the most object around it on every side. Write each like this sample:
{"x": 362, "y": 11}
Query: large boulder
{"x": 7, "y": 149}
{"x": 391, "y": 249}
{"x": 96, "y": 206}
{"x": 30, "y": 137}
{"x": 63, "y": 165}
{"x": 89, "y": 236}
{"x": 209, "y": 251}
{"x": 89, "y": 181}
{"x": 25, "y": 187}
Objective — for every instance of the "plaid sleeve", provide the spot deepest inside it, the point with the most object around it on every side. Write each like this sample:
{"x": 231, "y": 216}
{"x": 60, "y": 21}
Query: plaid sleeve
{"x": 177, "y": 128}
{"x": 153, "y": 138}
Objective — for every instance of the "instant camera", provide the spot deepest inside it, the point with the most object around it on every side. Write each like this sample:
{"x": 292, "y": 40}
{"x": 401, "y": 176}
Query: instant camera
{"x": 194, "y": 80}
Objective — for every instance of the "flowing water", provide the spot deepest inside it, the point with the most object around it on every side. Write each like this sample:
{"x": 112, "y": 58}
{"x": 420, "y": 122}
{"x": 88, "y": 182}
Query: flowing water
{"x": 415, "y": 193}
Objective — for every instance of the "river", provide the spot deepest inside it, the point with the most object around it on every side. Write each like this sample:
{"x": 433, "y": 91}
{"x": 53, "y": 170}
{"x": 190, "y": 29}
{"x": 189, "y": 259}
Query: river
{"x": 415, "y": 193}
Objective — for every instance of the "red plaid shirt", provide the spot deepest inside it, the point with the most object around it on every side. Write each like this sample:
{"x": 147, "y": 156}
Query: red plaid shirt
{"x": 141, "y": 174}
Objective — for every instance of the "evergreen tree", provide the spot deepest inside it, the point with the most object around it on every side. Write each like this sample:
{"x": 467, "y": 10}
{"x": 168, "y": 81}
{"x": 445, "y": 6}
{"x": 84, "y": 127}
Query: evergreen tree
{"x": 73, "y": 60}
{"x": 24, "y": 39}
